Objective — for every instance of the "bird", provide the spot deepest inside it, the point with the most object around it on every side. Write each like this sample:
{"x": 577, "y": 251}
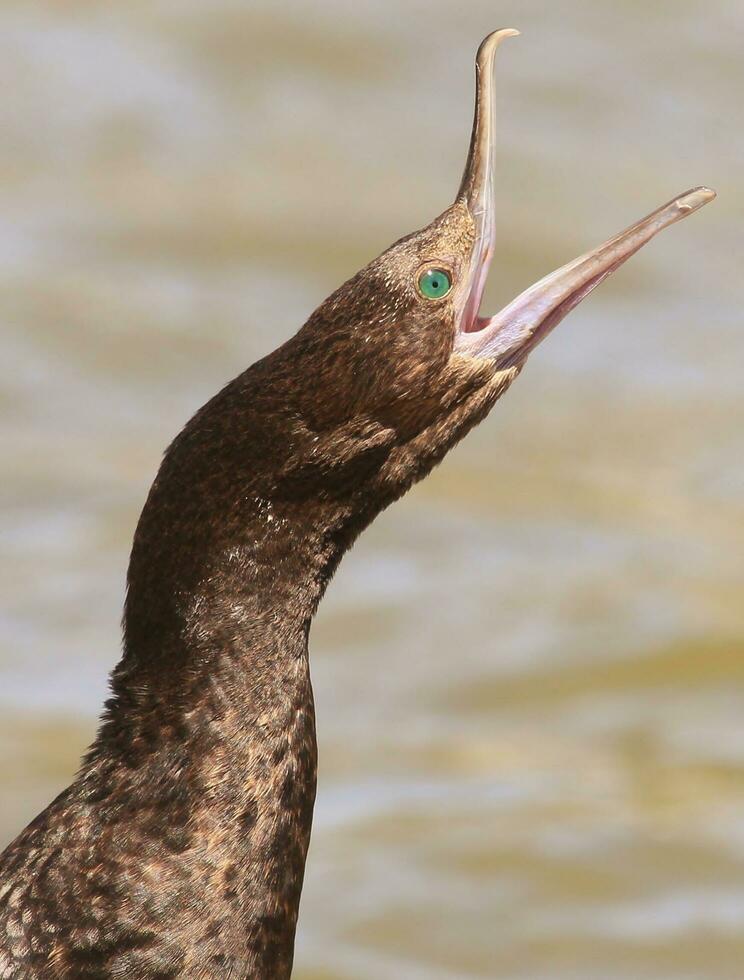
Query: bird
{"x": 179, "y": 849}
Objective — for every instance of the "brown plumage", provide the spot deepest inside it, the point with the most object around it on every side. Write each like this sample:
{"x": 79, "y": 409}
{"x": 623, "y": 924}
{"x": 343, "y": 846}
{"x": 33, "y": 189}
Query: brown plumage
{"x": 179, "y": 849}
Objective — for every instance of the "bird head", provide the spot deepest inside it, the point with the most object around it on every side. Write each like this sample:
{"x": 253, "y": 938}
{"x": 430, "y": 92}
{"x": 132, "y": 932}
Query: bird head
{"x": 399, "y": 362}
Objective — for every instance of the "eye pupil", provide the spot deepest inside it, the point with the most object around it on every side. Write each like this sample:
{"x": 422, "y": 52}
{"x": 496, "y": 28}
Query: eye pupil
{"x": 434, "y": 283}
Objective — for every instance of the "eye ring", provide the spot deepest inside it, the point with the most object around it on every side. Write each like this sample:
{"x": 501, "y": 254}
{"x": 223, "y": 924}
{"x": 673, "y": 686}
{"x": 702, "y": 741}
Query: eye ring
{"x": 434, "y": 282}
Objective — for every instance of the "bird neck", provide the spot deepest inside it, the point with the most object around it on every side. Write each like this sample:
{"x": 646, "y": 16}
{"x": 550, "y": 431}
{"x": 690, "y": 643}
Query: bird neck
{"x": 207, "y": 750}
{"x": 210, "y": 734}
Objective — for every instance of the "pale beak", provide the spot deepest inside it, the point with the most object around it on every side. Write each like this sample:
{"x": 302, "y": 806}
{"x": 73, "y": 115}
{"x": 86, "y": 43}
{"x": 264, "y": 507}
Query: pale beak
{"x": 519, "y": 327}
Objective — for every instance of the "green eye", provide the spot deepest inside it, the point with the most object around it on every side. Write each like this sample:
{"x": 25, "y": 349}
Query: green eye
{"x": 434, "y": 283}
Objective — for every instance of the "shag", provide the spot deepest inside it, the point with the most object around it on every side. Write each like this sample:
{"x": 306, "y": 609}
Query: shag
{"x": 179, "y": 849}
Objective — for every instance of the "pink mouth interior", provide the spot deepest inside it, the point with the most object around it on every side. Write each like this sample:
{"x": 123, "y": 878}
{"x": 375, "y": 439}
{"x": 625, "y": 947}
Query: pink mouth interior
{"x": 471, "y": 321}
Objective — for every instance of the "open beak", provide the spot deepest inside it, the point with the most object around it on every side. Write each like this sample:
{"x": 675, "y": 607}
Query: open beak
{"x": 511, "y": 334}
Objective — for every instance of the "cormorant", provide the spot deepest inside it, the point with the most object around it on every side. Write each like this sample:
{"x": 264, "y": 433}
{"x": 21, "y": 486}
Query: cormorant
{"x": 179, "y": 849}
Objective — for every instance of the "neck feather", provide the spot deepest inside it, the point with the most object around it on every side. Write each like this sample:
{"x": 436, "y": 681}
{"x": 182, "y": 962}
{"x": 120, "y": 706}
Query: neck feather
{"x": 208, "y": 743}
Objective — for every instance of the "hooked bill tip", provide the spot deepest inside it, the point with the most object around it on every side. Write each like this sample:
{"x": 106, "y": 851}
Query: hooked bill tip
{"x": 491, "y": 41}
{"x": 503, "y": 32}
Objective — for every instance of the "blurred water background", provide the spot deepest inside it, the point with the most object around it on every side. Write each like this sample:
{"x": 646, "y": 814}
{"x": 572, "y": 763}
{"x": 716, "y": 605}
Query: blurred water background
{"x": 530, "y": 672}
